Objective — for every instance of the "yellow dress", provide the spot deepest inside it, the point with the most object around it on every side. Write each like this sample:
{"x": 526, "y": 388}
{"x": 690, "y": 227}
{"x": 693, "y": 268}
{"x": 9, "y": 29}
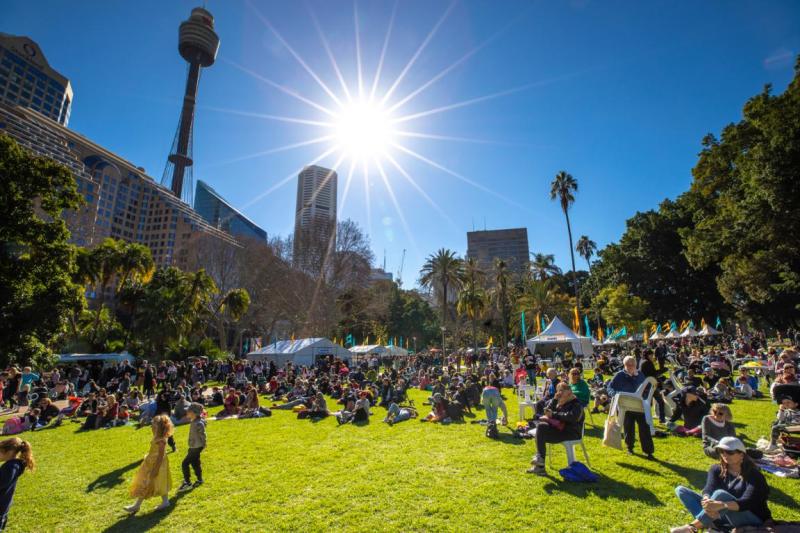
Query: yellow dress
{"x": 146, "y": 483}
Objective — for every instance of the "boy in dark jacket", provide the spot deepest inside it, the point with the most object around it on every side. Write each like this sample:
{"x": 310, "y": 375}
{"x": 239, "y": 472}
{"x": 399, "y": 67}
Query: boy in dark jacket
{"x": 197, "y": 443}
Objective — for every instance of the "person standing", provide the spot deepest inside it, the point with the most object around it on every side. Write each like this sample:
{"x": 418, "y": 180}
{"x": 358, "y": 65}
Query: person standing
{"x": 628, "y": 380}
{"x": 153, "y": 477}
{"x": 17, "y": 457}
{"x": 197, "y": 443}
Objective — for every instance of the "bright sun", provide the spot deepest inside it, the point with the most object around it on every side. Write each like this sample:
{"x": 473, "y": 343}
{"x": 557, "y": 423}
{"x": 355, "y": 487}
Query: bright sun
{"x": 363, "y": 130}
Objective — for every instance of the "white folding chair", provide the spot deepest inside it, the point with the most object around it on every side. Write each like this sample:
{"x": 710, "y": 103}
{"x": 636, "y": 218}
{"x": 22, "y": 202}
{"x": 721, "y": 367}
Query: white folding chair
{"x": 636, "y": 402}
{"x": 526, "y": 395}
{"x": 569, "y": 447}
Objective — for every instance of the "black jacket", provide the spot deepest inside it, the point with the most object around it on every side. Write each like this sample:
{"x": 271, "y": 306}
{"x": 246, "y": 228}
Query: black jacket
{"x": 750, "y": 490}
{"x": 692, "y": 413}
{"x": 571, "y": 413}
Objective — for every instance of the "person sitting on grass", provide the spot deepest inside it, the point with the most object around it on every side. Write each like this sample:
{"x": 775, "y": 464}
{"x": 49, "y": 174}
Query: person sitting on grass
{"x": 360, "y": 412}
{"x": 318, "y": 409}
{"x": 692, "y": 408}
{"x": 743, "y": 389}
{"x": 735, "y": 493}
{"x": 788, "y": 415}
{"x": 579, "y": 387}
{"x": 397, "y": 414}
{"x": 231, "y": 403}
{"x": 722, "y": 391}
{"x": 438, "y": 412}
{"x": 562, "y": 421}
{"x": 716, "y": 426}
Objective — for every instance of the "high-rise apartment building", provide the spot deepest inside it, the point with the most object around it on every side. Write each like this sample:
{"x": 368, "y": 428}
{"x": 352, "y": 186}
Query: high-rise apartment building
{"x": 315, "y": 217}
{"x": 26, "y": 79}
{"x": 511, "y": 245}
{"x": 220, "y": 214}
{"x": 121, "y": 201}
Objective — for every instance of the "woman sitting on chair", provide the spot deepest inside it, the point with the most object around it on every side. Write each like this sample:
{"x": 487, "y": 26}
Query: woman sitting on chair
{"x": 562, "y": 421}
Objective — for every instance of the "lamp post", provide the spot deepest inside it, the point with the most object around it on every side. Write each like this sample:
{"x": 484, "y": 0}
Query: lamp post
{"x": 415, "y": 345}
{"x": 443, "y": 330}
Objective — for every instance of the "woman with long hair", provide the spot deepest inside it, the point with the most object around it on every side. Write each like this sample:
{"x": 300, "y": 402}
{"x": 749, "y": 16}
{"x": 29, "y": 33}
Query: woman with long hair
{"x": 735, "y": 494}
{"x": 17, "y": 456}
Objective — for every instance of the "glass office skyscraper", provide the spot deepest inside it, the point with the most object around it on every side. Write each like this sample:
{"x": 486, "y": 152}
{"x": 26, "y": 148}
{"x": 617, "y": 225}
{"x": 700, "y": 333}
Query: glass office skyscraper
{"x": 220, "y": 214}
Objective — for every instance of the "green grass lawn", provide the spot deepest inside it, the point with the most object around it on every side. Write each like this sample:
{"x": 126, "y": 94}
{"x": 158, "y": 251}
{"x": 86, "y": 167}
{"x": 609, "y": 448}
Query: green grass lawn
{"x": 281, "y": 473}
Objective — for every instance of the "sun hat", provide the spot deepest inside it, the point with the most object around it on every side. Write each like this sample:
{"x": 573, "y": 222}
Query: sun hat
{"x": 730, "y": 444}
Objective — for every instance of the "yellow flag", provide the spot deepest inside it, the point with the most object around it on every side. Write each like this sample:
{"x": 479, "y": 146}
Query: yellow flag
{"x": 599, "y": 333}
{"x": 292, "y": 337}
{"x": 366, "y": 341}
{"x": 491, "y": 340}
{"x": 538, "y": 323}
{"x": 576, "y": 320}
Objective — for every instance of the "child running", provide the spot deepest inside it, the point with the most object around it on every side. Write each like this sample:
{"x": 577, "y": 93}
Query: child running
{"x": 17, "y": 457}
{"x": 153, "y": 477}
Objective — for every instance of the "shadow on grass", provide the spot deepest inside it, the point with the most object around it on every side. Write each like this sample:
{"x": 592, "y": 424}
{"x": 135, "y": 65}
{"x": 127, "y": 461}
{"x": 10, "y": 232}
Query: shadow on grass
{"x": 781, "y": 498}
{"x": 144, "y": 520}
{"x": 638, "y": 468}
{"x": 596, "y": 431}
{"x": 695, "y": 476}
{"x": 508, "y": 438}
{"x": 111, "y": 479}
{"x": 606, "y": 489}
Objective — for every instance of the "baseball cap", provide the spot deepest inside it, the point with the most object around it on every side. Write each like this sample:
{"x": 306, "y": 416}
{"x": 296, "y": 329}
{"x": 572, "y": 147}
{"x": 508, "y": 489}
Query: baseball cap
{"x": 730, "y": 444}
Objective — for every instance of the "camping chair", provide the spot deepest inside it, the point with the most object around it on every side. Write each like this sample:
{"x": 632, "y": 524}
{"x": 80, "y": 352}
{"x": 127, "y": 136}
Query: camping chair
{"x": 636, "y": 402}
{"x": 526, "y": 395}
{"x": 569, "y": 447}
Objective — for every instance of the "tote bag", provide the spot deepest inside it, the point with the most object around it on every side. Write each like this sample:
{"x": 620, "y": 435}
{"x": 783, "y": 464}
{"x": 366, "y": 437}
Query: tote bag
{"x": 612, "y": 437}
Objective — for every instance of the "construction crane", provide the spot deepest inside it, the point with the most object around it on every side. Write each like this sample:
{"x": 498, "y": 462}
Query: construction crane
{"x": 400, "y": 270}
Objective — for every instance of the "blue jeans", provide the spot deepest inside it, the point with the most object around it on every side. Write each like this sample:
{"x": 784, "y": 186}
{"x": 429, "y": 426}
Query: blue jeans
{"x": 399, "y": 414}
{"x": 692, "y": 501}
{"x": 492, "y": 401}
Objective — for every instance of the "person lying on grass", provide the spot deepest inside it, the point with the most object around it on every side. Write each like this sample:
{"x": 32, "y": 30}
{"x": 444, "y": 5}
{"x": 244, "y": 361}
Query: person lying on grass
{"x": 397, "y": 414}
{"x": 562, "y": 420}
{"x": 735, "y": 494}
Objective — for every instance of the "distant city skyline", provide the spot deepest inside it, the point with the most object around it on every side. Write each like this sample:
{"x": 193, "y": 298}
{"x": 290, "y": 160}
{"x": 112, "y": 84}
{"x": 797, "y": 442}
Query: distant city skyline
{"x": 622, "y": 103}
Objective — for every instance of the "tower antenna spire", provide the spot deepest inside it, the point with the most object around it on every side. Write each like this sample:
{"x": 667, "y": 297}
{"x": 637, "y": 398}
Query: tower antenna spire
{"x": 198, "y": 45}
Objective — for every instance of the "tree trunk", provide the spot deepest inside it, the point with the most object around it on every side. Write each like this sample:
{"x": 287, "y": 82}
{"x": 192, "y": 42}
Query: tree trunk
{"x": 474, "y": 337}
{"x": 572, "y": 256}
{"x": 223, "y": 335}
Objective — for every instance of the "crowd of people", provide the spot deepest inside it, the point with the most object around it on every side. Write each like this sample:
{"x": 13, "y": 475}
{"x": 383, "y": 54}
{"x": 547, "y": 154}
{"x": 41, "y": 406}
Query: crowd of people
{"x": 694, "y": 385}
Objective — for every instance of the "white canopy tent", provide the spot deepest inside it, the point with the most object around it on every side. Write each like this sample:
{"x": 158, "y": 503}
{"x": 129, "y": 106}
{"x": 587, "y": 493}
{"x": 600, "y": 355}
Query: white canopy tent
{"x": 656, "y": 336}
{"x": 558, "y": 336}
{"x": 673, "y": 334}
{"x": 689, "y": 332}
{"x": 368, "y": 349}
{"x": 301, "y": 352}
{"x": 707, "y": 331}
{"x": 67, "y": 358}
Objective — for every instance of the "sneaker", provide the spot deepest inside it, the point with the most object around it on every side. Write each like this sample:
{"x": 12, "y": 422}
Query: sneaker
{"x": 539, "y": 470}
{"x": 629, "y": 451}
{"x": 174, "y": 448}
{"x": 184, "y": 486}
{"x": 131, "y": 509}
{"x": 688, "y": 528}
{"x": 162, "y": 506}
{"x": 650, "y": 457}
{"x": 197, "y": 483}
{"x": 537, "y": 460}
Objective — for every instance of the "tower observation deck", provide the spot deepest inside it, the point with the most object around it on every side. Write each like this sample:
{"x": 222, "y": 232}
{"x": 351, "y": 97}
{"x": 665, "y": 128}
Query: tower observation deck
{"x": 198, "y": 45}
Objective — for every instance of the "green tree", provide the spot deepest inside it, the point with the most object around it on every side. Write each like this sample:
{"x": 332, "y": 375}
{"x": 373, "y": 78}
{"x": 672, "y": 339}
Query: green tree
{"x": 38, "y": 293}
{"x": 442, "y": 271}
{"x": 543, "y": 266}
{"x": 586, "y": 249}
{"x": 472, "y": 298}
{"x": 619, "y": 307}
{"x": 744, "y": 200}
{"x": 501, "y": 295}
{"x": 563, "y": 188}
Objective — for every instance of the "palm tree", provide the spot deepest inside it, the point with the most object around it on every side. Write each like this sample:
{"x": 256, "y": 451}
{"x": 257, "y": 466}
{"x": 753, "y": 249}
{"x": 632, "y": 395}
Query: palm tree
{"x": 442, "y": 270}
{"x": 563, "y": 188}
{"x": 543, "y": 266}
{"x": 543, "y": 298}
{"x": 586, "y": 249}
{"x": 472, "y": 298}
{"x": 502, "y": 282}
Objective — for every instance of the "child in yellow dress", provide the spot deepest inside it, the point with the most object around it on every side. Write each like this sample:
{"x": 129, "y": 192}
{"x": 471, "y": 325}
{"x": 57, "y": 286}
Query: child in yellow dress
{"x": 153, "y": 477}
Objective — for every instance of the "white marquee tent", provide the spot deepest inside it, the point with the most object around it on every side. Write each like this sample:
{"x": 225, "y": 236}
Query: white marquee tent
{"x": 656, "y": 336}
{"x": 558, "y": 335}
{"x": 707, "y": 331}
{"x": 105, "y": 357}
{"x": 689, "y": 332}
{"x": 673, "y": 334}
{"x": 378, "y": 350}
{"x": 302, "y": 352}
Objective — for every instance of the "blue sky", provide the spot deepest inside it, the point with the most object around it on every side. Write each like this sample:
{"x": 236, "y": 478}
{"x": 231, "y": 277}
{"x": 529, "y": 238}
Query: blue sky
{"x": 619, "y": 94}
